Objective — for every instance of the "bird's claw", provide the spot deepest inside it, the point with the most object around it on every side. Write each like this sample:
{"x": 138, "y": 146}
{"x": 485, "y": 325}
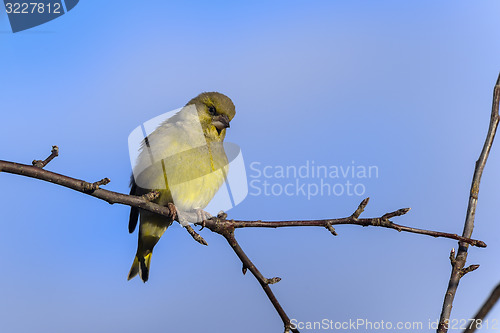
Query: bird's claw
{"x": 202, "y": 216}
{"x": 173, "y": 210}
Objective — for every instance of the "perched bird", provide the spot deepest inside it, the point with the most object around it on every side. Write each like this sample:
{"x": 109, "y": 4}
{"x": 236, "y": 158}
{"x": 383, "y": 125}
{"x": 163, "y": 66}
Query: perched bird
{"x": 184, "y": 160}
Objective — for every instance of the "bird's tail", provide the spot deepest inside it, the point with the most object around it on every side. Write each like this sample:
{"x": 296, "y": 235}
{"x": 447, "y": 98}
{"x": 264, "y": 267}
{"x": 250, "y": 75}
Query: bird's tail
{"x": 140, "y": 266}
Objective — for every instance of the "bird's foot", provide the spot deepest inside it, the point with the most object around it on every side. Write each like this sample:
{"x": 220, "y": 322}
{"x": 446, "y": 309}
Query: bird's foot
{"x": 201, "y": 215}
{"x": 195, "y": 216}
{"x": 173, "y": 210}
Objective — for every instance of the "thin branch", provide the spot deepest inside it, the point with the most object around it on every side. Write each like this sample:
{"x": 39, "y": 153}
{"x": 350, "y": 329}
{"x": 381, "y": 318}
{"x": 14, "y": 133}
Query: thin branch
{"x": 195, "y": 235}
{"x": 383, "y": 222}
{"x": 84, "y": 187}
{"x": 90, "y": 187}
{"x": 470, "y": 268}
{"x": 452, "y": 257}
{"x": 53, "y": 154}
{"x": 228, "y": 234}
{"x": 219, "y": 224}
{"x": 483, "y": 311}
{"x": 457, "y": 270}
{"x": 144, "y": 202}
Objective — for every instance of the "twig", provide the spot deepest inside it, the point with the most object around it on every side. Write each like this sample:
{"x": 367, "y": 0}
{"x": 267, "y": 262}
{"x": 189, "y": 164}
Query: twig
{"x": 90, "y": 187}
{"x": 360, "y": 209}
{"x": 83, "y": 186}
{"x": 41, "y": 164}
{"x": 483, "y": 311}
{"x": 468, "y": 269}
{"x": 377, "y": 222}
{"x": 457, "y": 269}
{"x": 264, "y": 282}
{"x": 195, "y": 235}
{"x": 144, "y": 203}
{"x": 227, "y": 230}
{"x": 452, "y": 257}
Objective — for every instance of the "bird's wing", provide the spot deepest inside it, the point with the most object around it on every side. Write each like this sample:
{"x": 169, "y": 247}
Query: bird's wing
{"x": 134, "y": 211}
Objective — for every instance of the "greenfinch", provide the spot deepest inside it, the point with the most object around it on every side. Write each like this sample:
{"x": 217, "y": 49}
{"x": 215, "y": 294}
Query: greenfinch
{"x": 185, "y": 162}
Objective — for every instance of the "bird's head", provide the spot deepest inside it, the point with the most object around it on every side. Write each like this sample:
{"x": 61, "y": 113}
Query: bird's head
{"x": 215, "y": 111}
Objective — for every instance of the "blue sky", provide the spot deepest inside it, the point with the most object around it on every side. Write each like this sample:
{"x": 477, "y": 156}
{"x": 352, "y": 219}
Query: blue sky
{"x": 404, "y": 86}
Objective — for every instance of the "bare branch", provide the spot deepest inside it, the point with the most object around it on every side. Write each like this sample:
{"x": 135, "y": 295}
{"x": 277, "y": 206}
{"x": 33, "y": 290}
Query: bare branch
{"x": 222, "y": 226}
{"x": 82, "y": 186}
{"x": 468, "y": 269}
{"x": 376, "y": 222}
{"x": 195, "y": 235}
{"x": 360, "y": 209}
{"x": 143, "y": 202}
{"x": 485, "y": 308}
{"x": 457, "y": 269}
{"x": 331, "y": 229}
{"x": 90, "y": 187}
{"x": 228, "y": 234}
{"x": 41, "y": 164}
{"x": 399, "y": 212}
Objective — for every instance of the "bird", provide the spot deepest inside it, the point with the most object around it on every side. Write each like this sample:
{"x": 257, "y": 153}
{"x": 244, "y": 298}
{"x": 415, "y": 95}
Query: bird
{"x": 184, "y": 161}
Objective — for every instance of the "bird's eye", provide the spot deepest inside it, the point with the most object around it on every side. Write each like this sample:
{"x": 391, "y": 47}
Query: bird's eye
{"x": 212, "y": 110}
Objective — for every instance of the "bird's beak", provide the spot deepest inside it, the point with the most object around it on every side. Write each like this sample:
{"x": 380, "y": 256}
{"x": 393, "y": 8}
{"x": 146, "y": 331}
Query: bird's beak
{"x": 220, "y": 122}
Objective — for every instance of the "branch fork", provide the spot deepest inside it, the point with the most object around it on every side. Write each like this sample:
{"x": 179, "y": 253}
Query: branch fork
{"x": 458, "y": 262}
